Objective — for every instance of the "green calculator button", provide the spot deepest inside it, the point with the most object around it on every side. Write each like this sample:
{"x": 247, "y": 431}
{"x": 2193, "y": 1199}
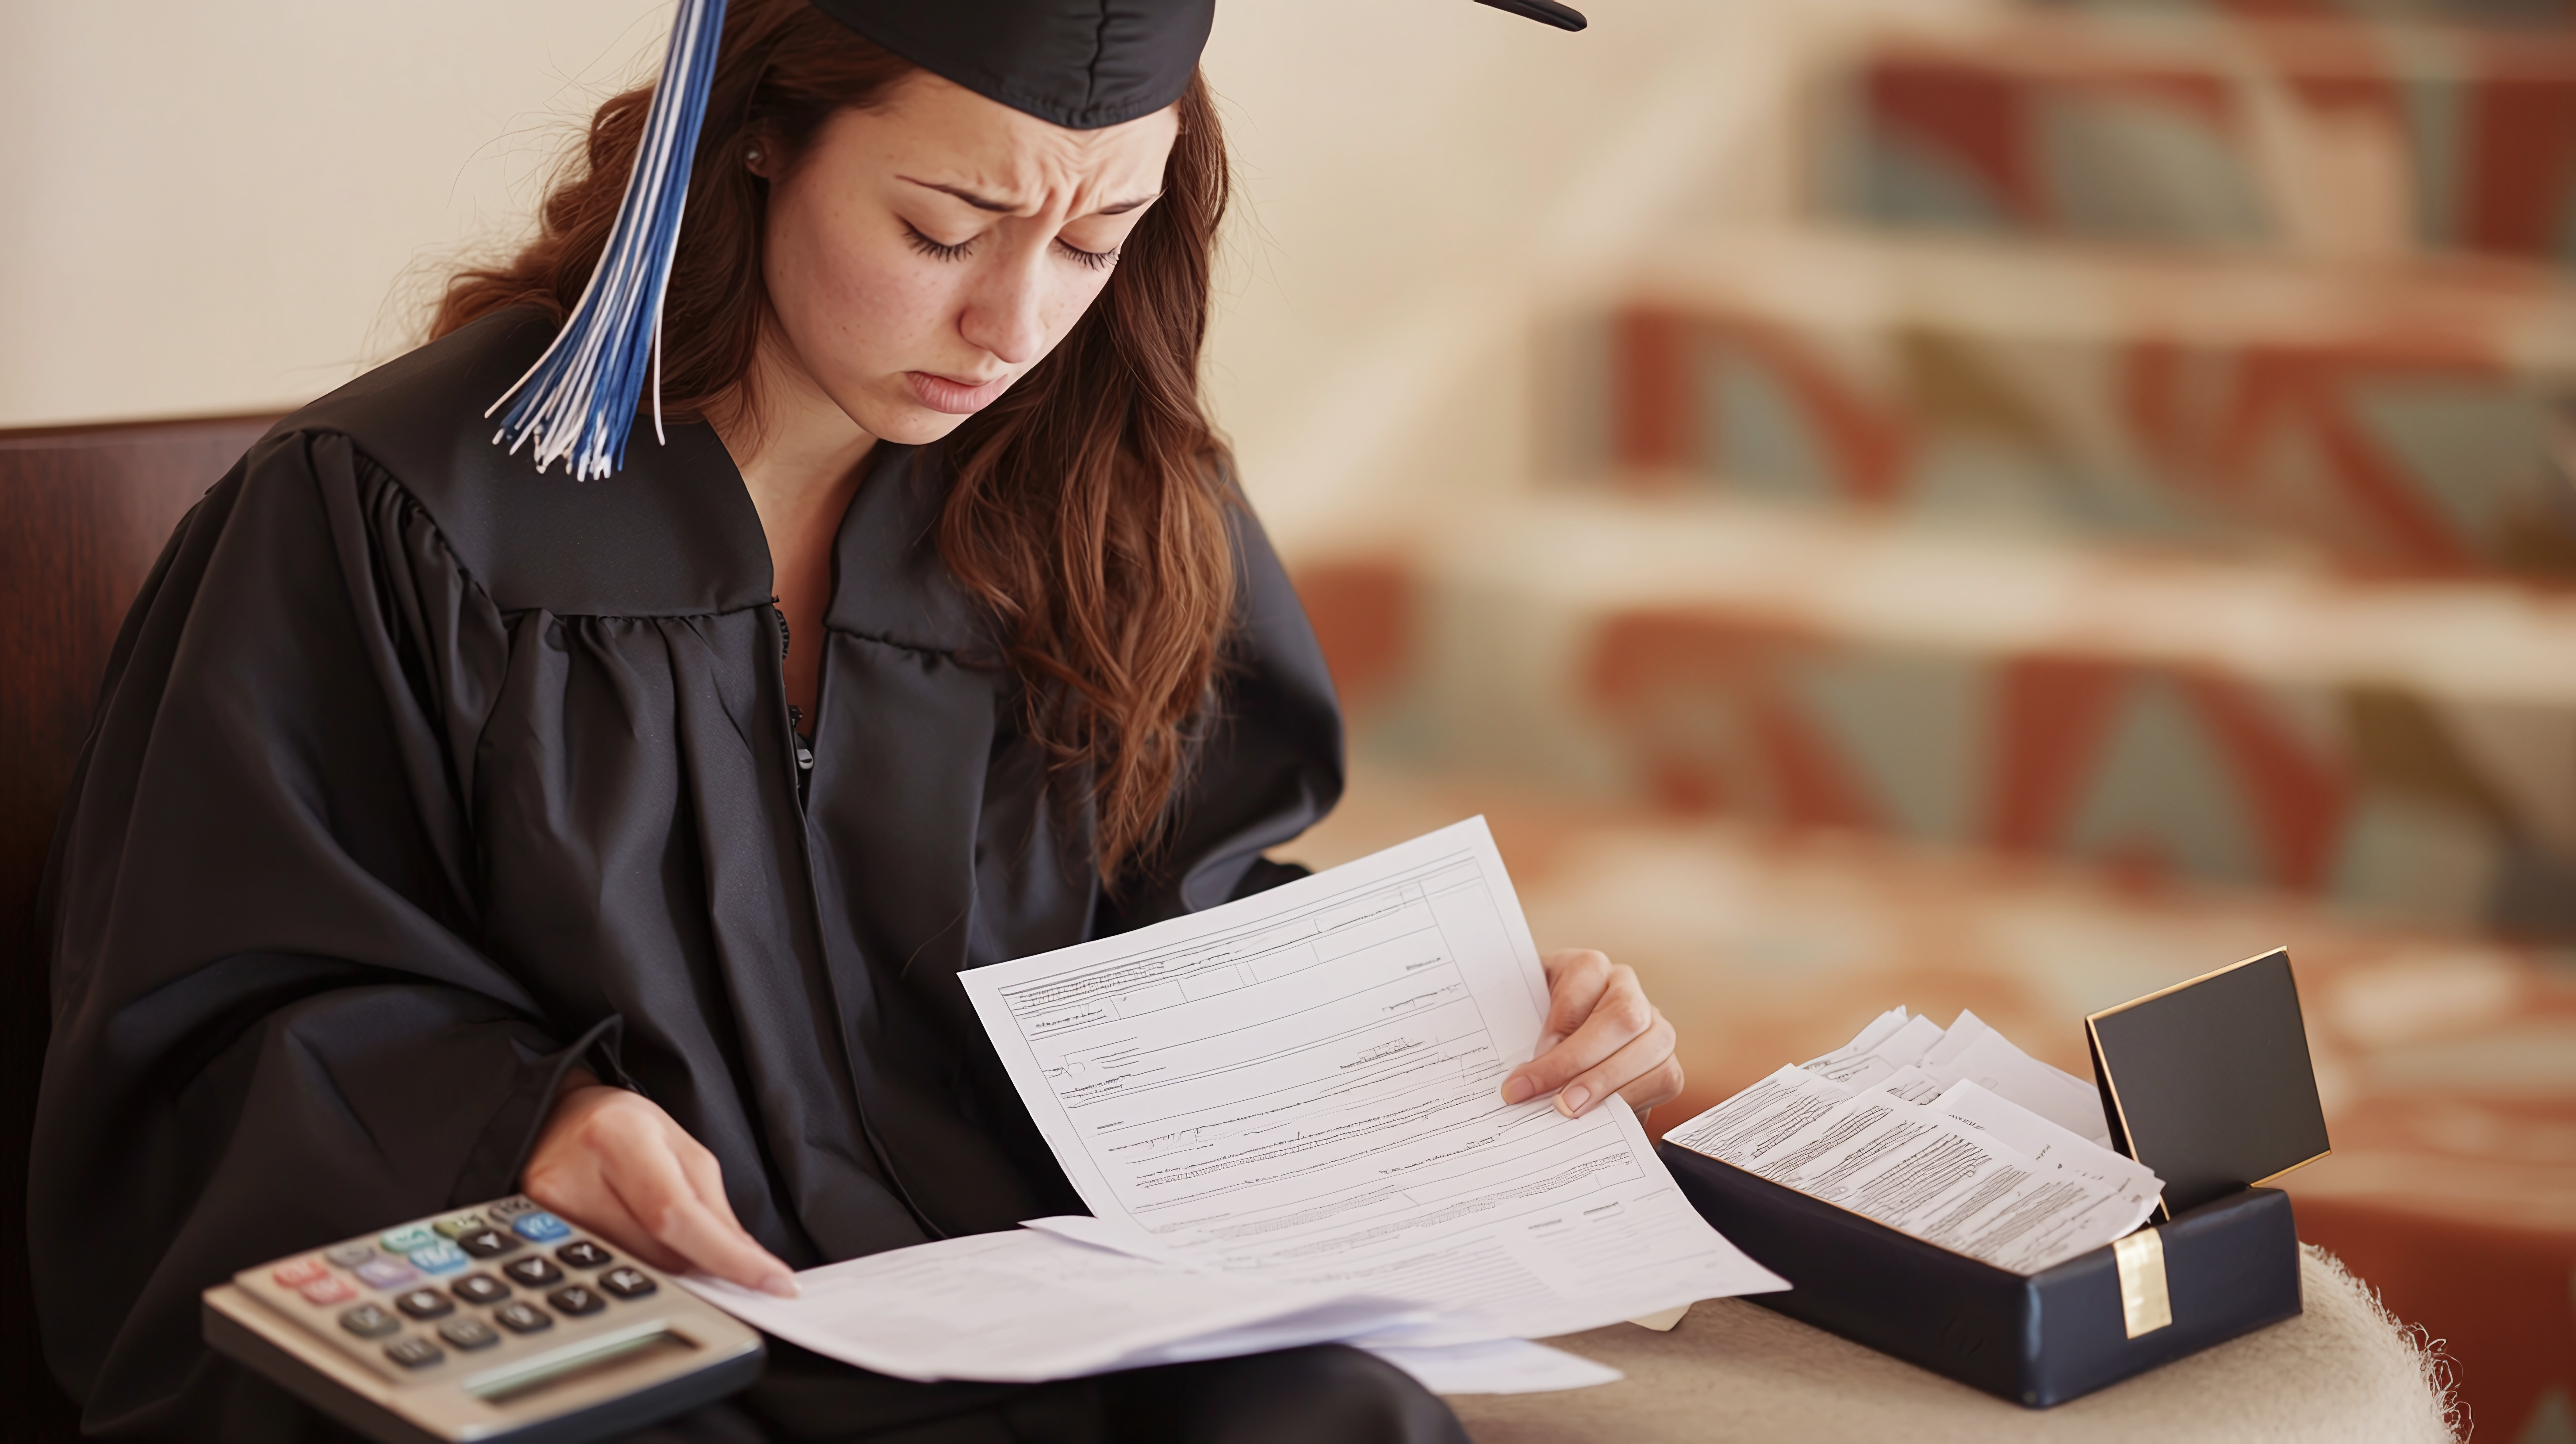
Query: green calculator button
{"x": 457, "y": 1225}
{"x": 404, "y": 1240}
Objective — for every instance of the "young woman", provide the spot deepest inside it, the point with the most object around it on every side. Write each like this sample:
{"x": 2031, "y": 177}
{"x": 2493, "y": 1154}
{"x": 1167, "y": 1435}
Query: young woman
{"x": 452, "y": 826}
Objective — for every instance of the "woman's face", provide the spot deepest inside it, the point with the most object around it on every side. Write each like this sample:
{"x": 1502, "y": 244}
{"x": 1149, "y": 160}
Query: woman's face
{"x": 924, "y": 254}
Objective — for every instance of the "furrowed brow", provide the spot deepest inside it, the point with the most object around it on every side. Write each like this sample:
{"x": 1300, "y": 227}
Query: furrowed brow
{"x": 979, "y": 202}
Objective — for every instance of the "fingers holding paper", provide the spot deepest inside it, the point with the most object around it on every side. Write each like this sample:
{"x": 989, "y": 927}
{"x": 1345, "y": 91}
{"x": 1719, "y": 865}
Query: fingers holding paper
{"x": 1602, "y": 1037}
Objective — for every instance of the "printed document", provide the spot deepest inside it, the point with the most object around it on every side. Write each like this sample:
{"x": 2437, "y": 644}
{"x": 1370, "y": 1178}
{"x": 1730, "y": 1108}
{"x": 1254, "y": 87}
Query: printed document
{"x": 1027, "y": 1306}
{"x": 1301, "y": 1087}
{"x": 1898, "y": 1126}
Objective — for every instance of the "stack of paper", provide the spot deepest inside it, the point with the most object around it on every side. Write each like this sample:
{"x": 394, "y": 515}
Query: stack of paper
{"x": 1284, "y": 1114}
{"x": 1954, "y": 1136}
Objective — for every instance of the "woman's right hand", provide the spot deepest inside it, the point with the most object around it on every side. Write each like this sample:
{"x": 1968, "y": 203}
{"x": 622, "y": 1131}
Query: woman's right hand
{"x": 615, "y": 1163}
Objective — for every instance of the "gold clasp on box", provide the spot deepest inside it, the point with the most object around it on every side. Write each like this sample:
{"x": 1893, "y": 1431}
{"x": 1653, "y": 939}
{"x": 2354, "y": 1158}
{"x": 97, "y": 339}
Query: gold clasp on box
{"x": 2144, "y": 1305}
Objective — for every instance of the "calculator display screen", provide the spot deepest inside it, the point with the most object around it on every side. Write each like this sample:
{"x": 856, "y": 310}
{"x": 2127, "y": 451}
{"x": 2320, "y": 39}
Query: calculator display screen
{"x": 595, "y": 1357}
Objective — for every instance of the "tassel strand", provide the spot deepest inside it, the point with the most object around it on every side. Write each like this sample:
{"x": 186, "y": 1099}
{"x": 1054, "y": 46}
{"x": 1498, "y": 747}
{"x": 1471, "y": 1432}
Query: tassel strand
{"x": 579, "y": 401}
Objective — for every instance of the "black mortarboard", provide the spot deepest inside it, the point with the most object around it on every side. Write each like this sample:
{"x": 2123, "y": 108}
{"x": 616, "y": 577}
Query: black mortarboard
{"x": 1081, "y": 64}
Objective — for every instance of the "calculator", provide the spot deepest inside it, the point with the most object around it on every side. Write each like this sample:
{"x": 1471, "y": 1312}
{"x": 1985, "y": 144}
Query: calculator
{"x": 501, "y": 1322}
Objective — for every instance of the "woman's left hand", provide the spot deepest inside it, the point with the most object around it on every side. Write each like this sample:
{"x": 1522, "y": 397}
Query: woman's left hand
{"x": 1601, "y": 1037}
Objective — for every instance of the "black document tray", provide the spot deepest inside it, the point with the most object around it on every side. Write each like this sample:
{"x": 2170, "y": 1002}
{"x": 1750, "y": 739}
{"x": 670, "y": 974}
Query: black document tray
{"x": 2231, "y": 1266}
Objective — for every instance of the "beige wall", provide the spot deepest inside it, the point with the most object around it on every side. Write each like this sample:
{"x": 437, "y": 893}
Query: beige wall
{"x": 215, "y": 208}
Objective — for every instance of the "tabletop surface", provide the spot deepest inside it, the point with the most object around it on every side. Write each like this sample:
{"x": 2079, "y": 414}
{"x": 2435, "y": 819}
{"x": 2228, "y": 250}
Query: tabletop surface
{"x": 2342, "y": 1371}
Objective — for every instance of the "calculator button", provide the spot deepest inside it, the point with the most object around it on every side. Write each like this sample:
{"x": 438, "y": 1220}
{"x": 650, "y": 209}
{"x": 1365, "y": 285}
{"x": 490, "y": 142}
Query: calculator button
{"x": 350, "y": 1255}
{"x": 534, "y": 1272}
{"x": 425, "y": 1304}
{"x": 328, "y": 1289}
{"x": 385, "y": 1273}
{"x": 414, "y": 1353}
{"x": 404, "y": 1240}
{"x": 441, "y": 1257}
{"x": 479, "y": 1289}
{"x": 507, "y": 1210}
{"x": 299, "y": 1273}
{"x": 486, "y": 1243}
{"x": 540, "y": 1227}
{"x": 576, "y": 1300}
{"x": 469, "y": 1333}
{"x": 457, "y": 1225}
{"x": 367, "y": 1321}
{"x": 522, "y": 1317}
{"x": 627, "y": 1283}
{"x": 581, "y": 1253}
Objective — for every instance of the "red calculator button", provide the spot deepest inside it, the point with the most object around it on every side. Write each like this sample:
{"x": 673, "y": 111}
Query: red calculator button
{"x": 328, "y": 1289}
{"x": 299, "y": 1273}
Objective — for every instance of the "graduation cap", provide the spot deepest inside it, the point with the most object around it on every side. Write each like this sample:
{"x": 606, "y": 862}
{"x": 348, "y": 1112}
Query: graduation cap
{"x": 1082, "y": 64}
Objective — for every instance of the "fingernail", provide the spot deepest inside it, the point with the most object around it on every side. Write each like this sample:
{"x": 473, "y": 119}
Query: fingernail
{"x": 1517, "y": 1089}
{"x": 1571, "y": 1101}
{"x": 782, "y": 1285}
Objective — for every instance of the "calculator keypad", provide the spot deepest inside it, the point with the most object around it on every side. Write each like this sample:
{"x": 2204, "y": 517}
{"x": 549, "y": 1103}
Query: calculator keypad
{"x": 425, "y": 1304}
{"x": 405, "y": 1239}
{"x": 480, "y": 1289}
{"x": 627, "y": 1283}
{"x": 540, "y": 1227}
{"x": 452, "y": 1283}
{"x": 457, "y": 1225}
{"x": 487, "y": 1243}
{"x": 441, "y": 1257}
{"x": 384, "y": 1273}
{"x": 328, "y": 1289}
{"x": 576, "y": 1300}
{"x": 522, "y": 1318}
{"x": 536, "y": 1273}
{"x": 469, "y": 1333}
{"x": 414, "y": 1353}
{"x": 367, "y": 1321}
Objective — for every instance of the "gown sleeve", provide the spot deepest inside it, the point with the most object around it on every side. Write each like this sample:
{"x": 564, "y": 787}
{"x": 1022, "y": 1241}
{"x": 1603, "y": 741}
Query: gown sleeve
{"x": 270, "y": 1022}
{"x": 1269, "y": 768}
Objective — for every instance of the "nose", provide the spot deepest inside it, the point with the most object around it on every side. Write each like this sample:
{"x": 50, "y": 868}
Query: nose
{"x": 1005, "y": 311}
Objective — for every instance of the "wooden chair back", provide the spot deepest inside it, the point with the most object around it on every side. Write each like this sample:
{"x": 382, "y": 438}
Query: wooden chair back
{"x": 84, "y": 512}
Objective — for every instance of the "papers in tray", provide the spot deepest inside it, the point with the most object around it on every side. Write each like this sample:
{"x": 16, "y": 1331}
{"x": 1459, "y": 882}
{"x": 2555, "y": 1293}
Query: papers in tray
{"x": 1284, "y": 1115}
{"x": 1952, "y": 1135}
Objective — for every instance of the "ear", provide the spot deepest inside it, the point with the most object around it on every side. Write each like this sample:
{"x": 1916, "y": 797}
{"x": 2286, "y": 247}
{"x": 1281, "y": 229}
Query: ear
{"x": 759, "y": 152}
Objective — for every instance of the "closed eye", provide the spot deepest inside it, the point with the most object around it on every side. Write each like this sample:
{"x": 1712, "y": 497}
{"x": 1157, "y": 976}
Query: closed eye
{"x": 936, "y": 250}
{"x": 1096, "y": 260}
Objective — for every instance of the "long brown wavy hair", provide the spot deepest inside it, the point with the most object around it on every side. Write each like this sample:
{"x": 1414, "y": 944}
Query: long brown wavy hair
{"x": 1087, "y": 507}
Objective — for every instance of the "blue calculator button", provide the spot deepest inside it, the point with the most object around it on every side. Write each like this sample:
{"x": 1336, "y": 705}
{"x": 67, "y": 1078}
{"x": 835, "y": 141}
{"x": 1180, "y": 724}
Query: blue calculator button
{"x": 439, "y": 1258}
{"x": 540, "y": 1227}
{"x": 404, "y": 1240}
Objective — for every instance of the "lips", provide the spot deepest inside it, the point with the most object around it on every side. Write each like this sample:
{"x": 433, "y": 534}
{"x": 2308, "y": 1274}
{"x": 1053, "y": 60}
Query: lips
{"x": 957, "y": 398}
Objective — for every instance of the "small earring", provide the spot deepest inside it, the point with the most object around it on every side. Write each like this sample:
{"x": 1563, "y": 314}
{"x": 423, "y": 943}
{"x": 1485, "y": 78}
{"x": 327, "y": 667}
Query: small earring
{"x": 752, "y": 155}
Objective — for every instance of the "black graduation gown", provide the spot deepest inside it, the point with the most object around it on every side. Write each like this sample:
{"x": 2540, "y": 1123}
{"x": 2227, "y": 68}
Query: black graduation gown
{"x": 418, "y": 775}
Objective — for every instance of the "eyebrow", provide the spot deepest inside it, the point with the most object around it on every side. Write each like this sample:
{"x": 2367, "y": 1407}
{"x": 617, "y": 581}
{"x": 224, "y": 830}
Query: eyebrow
{"x": 1001, "y": 207}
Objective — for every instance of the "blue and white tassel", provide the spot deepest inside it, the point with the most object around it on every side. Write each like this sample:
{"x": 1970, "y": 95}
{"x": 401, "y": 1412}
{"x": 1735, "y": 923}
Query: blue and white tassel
{"x": 579, "y": 400}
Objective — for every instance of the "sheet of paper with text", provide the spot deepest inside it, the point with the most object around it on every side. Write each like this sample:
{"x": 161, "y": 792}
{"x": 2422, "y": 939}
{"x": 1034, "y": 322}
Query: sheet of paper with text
{"x": 1303, "y": 1085}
